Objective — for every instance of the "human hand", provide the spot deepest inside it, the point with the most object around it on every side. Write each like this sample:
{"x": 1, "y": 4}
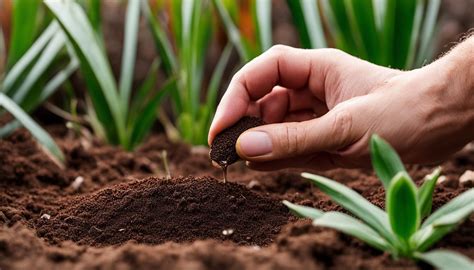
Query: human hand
{"x": 323, "y": 105}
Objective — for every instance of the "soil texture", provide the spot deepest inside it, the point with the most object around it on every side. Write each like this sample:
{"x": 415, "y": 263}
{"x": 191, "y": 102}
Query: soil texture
{"x": 123, "y": 214}
{"x": 155, "y": 211}
{"x": 223, "y": 147}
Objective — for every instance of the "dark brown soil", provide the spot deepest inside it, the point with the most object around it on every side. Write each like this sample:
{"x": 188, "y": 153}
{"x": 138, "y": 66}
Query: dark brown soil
{"x": 154, "y": 211}
{"x": 162, "y": 220}
{"x": 223, "y": 147}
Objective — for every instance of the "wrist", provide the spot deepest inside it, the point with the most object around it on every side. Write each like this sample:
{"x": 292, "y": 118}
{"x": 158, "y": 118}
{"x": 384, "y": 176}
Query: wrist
{"x": 455, "y": 73}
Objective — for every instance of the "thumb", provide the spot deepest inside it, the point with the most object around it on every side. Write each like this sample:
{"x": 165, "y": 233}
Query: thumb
{"x": 330, "y": 132}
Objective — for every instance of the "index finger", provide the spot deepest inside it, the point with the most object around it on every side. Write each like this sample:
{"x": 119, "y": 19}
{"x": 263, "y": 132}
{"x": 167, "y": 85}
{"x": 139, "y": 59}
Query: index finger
{"x": 280, "y": 65}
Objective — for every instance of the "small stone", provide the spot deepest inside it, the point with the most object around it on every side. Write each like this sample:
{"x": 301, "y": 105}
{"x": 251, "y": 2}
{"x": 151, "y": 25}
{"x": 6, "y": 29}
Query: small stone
{"x": 253, "y": 184}
{"x": 467, "y": 179}
{"x": 77, "y": 183}
{"x": 45, "y": 216}
{"x": 228, "y": 232}
{"x": 121, "y": 230}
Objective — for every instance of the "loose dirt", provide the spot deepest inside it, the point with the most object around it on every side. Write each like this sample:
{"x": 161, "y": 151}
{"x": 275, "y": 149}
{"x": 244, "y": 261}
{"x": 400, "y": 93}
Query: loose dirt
{"x": 223, "y": 147}
{"x": 124, "y": 215}
{"x": 154, "y": 211}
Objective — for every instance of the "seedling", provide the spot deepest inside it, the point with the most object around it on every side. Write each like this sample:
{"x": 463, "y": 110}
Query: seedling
{"x": 400, "y": 230}
{"x": 223, "y": 150}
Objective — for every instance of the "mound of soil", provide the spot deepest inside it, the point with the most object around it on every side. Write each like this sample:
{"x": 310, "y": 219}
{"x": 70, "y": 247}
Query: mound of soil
{"x": 223, "y": 147}
{"x": 155, "y": 211}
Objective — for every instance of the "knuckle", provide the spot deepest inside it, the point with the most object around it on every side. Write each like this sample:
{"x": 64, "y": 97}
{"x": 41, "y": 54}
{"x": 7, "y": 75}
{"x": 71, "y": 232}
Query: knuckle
{"x": 293, "y": 139}
{"x": 278, "y": 49}
{"x": 342, "y": 126}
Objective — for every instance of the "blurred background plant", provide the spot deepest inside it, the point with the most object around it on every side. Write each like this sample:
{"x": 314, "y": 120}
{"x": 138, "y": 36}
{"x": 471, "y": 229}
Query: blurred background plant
{"x": 393, "y": 33}
{"x": 183, "y": 42}
{"x": 113, "y": 112}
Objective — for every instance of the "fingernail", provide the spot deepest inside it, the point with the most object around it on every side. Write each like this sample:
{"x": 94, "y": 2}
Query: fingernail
{"x": 254, "y": 143}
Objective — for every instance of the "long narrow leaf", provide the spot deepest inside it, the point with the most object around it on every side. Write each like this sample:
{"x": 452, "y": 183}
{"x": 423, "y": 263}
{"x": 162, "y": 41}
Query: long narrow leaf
{"x": 446, "y": 260}
{"x": 27, "y": 59}
{"x": 425, "y": 193}
{"x": 263, "y": 13}
{"x": 129, "y": 51}
{"x": 216, "y": 78}
{"x": 38, "y": 133}
{"x": 385, "y": 160}
{"x": 375, "y": 217}
{"x": 402, "y": 206}
{"x": 466, "y": 198}
{"x": 24, "y": 28}
{"x": 427, "y": 31}
{"x": 40, "y": 66}
{"x": 351, "y": 226}
{"x": 232, "y": 31}
{"x": 75, "y": 23}
{"x": 303, "y": 211}
{"x": 145, "y": 119}
{"x": 162, "y": 43}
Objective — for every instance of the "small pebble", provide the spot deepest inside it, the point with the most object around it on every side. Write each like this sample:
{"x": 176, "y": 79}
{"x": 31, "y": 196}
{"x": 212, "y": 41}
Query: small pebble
{"x": 45, "y": 216}
{"x": 121, "y": 230}
{"x": 228, "y": 232}
{"x": 467, "y": 179}
{"x": 77, "y": 183}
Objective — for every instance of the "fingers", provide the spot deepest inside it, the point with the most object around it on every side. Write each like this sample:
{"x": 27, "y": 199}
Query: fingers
{"x": 281, "y": 65}
{"x": 328, "y": 133}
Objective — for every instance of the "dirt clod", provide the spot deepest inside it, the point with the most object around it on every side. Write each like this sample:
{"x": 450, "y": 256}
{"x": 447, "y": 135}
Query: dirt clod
{"x": 156, "y": 210}
{"x": 223, "y": 147}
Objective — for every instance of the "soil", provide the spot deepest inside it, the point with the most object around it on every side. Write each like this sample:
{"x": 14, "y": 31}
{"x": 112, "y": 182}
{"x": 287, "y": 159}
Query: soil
{"x": 124, "y": 214}
{"x": 154, "y": 211}
{"x": 223, "y": 150}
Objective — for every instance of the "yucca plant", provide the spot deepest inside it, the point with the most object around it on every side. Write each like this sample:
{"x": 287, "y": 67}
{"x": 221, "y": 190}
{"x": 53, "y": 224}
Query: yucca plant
{"x": 114, "y": 114}
{"x": 183, "y": 50}
{"x": 394, "y": 33}
{"x": 248, "y": 25}
{"x": 406, "y": 228}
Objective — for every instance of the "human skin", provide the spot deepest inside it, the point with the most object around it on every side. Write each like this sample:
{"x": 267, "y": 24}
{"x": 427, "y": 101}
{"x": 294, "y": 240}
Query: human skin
{"x": 323, "y": 105}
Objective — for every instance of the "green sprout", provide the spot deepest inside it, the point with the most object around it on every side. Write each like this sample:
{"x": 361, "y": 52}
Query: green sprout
{"x": 114, "y": 113}
{"x": 394, "y": 33}
{"x": 406, "y": 229}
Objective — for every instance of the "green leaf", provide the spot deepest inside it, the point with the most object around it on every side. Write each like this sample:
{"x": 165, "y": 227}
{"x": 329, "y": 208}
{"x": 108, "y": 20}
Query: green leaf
{"x": 425, "y": 192}
{"x": 162, "y": 44}
{"x": 38, "y": 133}
{"x": 375, "y": 217}
{"x": 461, "y": 201}
{"x": 147, "y": 116}
{"x": 351, "y": 226}
{"x": 303, "y": 211}
{"x": 385, "y": 160}
{"x": 94, "y": 14}
{"x": 306, "y": 18}
{"x": 129, "y": 51}
{"x": 39, "y": 67}
{"x": 216, "y": 78}
{"x": 24, "y": 27}
{"x": 402, "y": 206}
{"x": 446, "y": 260}
{"x": 96, "y": 69}
{"x": 232, "y": 31}
{"x": 427, "y": 31}
{"x": 263, "y": 14}
{"x": 22, "y": 65}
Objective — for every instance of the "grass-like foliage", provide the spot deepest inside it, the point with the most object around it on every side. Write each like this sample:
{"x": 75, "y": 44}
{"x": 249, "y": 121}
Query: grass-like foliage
{"x": 405, "y": 228}
{"x": 38, "y": 133}
{"x": 114, "y": 114}
{"x": 183, "y": 44}
{"x": 395, "y": 33}
{"x": 249, "y": 27}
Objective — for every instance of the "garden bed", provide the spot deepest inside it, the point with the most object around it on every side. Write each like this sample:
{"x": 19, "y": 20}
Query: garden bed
{"x": 123, "y": 212}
